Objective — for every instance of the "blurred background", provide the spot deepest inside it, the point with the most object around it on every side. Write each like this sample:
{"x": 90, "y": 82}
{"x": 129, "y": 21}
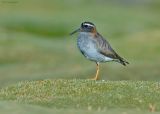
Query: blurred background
{"x": 35, "y": 43}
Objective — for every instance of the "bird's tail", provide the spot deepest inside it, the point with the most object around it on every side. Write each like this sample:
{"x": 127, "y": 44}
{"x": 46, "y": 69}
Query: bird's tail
{"x": 123, "y": 61}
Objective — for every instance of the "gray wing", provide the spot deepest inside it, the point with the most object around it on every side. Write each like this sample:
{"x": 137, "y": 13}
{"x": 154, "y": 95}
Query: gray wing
{"x": 105, "y": 49}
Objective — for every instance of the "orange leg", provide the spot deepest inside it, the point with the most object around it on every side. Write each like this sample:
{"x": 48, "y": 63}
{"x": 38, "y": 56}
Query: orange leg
{"x": 97, "y": 72}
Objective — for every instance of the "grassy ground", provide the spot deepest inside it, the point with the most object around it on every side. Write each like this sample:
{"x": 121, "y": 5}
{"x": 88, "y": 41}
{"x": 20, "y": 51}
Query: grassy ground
{"x": 14, "y": 108}
{"x": 88, "y": 95}
{"x": 35, "y": 45}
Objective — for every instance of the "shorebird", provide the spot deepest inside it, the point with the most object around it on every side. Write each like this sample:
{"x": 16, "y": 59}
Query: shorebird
{"x": 94, "y": 47}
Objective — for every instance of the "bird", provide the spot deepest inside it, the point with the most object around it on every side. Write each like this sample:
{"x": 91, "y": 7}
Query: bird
{"x": 95, "y": 47}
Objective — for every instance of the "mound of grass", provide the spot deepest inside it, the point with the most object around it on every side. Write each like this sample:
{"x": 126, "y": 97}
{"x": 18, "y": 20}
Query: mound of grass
{"x": 85, "y": 94}
{"x": 16, "y": 108}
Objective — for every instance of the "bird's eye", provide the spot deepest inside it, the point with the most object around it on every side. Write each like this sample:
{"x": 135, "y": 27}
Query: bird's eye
{"x": 85, "y": 26}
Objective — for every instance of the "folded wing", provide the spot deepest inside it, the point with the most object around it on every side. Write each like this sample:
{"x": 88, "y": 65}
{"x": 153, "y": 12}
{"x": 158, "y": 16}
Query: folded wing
{"x": 105, "y": 49}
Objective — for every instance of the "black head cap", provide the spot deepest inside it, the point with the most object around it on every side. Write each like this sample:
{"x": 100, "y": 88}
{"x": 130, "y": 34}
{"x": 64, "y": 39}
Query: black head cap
{"x": 87, "y": 26}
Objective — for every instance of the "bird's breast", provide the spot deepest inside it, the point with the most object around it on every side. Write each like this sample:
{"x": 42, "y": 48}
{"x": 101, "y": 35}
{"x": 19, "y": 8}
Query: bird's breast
{"x": 85, "y": 42}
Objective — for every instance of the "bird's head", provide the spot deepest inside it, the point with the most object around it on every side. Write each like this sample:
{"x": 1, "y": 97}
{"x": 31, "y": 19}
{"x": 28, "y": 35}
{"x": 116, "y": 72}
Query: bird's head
{"x": 86, "y": 27}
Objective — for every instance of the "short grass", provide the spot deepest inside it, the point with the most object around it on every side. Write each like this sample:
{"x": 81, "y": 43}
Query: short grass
{"x": 19, "y": 108}
{"x": 86, "y": 95}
